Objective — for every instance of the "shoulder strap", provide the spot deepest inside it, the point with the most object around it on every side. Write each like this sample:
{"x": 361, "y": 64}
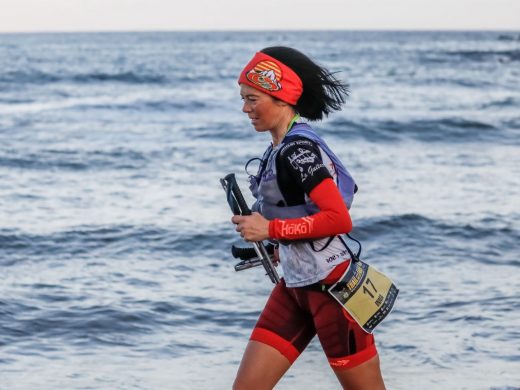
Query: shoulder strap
{"x": 263, "y": 163}
{"x": 346, "y": 184}
{"x": 300, "y": 130}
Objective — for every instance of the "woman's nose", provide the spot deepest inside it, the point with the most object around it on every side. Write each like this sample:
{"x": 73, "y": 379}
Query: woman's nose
{"x": 246, "y": 107}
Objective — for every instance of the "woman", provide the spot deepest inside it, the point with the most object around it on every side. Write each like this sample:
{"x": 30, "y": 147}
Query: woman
{"x": 300, "y": 205}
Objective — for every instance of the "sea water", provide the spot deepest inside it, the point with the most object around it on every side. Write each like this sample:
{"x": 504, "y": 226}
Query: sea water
{"x": 115, "y": 236}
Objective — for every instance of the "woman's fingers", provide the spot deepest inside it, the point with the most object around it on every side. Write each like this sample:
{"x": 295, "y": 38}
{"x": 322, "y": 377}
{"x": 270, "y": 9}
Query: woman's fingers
{"x": 251, "y": 227}
{"x": 236, "y": 219}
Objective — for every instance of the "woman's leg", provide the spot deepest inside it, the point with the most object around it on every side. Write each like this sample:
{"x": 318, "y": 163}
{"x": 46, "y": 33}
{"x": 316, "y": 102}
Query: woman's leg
{"x": 261, "y": 368}
{"x": 366, "y": 376}
{"x": 350, "y": 350}
{"x": 281, "y": 333}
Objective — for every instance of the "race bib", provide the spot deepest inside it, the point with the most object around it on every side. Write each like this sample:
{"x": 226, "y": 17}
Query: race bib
{"x": 366, "y": 294}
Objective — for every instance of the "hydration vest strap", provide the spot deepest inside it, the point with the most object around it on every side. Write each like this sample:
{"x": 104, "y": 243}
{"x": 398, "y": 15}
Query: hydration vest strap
{"x": 324, "y": 246}
{"x": 249, "y": 162}
{"x": 354, "y": 257}
{"x": 263, "y": 164}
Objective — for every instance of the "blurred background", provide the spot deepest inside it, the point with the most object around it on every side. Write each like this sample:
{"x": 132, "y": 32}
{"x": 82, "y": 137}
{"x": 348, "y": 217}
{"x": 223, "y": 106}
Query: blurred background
{"x": 115, "y": 234}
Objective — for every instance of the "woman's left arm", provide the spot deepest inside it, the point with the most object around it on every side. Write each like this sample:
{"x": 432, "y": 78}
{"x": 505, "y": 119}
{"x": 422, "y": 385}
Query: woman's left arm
{"x": 333, "y": 218}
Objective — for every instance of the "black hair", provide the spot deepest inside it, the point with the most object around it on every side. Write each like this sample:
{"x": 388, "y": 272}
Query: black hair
{"x": 322, "y": 91}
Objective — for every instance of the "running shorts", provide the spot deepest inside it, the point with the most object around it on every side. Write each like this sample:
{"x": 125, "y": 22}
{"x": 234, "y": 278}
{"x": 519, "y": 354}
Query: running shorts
{"x": 293, "y": 316}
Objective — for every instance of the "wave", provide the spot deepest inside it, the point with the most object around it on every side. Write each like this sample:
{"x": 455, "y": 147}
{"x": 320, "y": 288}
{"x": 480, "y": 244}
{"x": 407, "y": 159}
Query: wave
{"x": 486, "y": 227}
{"x": 502, "y": 103}
{"x": 117, "y": 105}
{"x": 463, "y": 56}
{"x": 145, "y": 105}
{"x": 77, "y": 160}
{"x": 39, "y": 77}
{"x": 485, "y": 55}
{"x": 449, "y": 82}
{"x": 407, "y": 228}
{"x": 513, "y": 123}
{"x": 124, "y": 77}
{"x": 85, "y": 324}
{"x": 508, "y": 37}
{"x": 220, "y": 131}
{"x": 115, "y": 241}
{"x": 442, "y": 130}
{"x": 93, "y": 319}
{"x": 488, "y": 240}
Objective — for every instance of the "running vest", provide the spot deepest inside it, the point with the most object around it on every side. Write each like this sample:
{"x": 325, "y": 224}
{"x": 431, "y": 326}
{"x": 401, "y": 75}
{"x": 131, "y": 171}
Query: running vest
{"x": 303, "y": 262}
{"x": 271, "y": 203}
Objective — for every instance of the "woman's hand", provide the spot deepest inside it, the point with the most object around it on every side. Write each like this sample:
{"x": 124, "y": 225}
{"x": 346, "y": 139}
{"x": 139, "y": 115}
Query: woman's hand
{"x": 252, "y": 227}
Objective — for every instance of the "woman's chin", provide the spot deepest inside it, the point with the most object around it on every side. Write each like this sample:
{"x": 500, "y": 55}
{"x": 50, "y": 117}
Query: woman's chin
{"x": 260, "y": 129}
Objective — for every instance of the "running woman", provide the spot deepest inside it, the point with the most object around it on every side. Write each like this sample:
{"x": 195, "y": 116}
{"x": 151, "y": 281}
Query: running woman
{"x": 300, "y": 205}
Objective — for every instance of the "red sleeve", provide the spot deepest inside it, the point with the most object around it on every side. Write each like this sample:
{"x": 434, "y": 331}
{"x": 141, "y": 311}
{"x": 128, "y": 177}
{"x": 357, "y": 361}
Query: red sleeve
{"x": 333, "y": 217}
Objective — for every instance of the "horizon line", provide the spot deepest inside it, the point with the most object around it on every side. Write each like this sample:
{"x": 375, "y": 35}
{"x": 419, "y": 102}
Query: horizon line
{"x": 239, "y": 30}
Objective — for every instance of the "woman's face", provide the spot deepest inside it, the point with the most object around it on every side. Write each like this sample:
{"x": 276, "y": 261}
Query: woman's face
{"x": 265, "y": 112}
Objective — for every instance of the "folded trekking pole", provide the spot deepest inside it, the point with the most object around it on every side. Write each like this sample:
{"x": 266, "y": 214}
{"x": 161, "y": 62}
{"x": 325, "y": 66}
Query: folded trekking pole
{"x": 248, "y": 256}
{"x": 239, "y": 207}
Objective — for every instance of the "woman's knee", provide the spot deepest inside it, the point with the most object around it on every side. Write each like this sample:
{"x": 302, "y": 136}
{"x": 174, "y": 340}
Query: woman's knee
{"x": 366, "y": 376}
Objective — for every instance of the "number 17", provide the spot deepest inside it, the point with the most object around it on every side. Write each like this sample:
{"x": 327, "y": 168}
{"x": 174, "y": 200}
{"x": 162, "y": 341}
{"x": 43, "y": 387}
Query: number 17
{"x": 366, "y": 290}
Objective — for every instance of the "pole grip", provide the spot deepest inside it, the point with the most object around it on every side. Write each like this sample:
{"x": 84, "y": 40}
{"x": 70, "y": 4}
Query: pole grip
{"x": 239, "y": 207}
{"x": 237, "y": 194}
{"x": 249, "y": 252}
{"x": 243, "y": 253}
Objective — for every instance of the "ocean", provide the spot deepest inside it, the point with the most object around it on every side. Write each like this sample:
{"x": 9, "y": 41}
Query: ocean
{"x": 115, "y": 234}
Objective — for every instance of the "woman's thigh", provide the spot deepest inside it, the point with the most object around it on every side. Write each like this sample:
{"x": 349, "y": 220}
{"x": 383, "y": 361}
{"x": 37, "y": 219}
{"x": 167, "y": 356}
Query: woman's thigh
{"x": 281, "y": 334}
{"x": 344, "y": 342}
{"x": 284, "y": 324}
{"x": 261, "y": 368}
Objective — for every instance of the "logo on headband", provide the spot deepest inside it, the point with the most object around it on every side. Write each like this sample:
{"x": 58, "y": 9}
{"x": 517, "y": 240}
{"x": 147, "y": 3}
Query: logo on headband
{"x": 267, "y": 75}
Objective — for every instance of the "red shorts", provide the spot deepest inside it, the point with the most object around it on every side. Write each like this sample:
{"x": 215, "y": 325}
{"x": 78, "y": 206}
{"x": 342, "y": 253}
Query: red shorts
{"x": 292, "y": 316}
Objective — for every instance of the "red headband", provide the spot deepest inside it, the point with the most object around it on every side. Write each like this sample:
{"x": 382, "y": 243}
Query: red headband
{"x": 270, "y": 76}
